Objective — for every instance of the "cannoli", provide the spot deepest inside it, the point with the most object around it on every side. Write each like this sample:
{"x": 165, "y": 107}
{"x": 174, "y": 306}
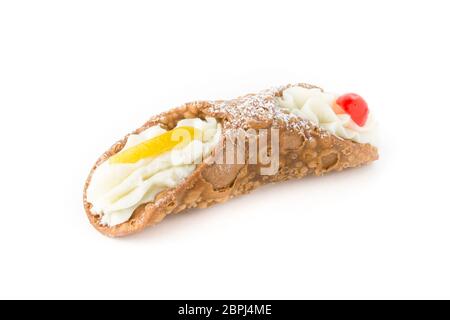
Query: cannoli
{"x": 207, "y": 152}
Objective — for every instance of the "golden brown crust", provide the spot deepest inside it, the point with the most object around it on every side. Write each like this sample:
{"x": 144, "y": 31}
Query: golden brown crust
{"x": 304, "y": 149}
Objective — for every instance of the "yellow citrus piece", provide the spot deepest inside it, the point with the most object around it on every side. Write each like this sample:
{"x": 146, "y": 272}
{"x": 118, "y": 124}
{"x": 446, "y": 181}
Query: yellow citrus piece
{"x": 167, "y": 141}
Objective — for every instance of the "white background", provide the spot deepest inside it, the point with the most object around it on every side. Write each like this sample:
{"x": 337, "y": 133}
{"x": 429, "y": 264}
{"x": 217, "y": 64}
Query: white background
{"x": 75, "y": 76}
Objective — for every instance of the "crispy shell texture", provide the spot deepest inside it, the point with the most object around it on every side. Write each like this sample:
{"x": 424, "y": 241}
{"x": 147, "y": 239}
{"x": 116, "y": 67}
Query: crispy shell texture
{"x": 304, "y": 149}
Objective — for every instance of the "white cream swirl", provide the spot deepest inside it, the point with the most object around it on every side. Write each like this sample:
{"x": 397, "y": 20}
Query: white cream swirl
{"x": 317, "y": 107}
{"x": 116, "y": 190}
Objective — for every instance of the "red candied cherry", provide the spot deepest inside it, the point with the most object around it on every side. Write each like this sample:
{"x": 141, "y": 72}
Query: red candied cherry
{"x": 355, "y": 106}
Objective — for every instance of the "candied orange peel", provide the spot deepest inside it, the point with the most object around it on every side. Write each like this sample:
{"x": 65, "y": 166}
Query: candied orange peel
{"x": 156, "y": 146}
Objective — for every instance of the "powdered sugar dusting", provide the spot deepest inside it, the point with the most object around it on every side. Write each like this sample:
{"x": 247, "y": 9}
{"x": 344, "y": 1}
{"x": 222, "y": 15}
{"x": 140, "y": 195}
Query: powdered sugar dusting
{"x": 259, "y": 110}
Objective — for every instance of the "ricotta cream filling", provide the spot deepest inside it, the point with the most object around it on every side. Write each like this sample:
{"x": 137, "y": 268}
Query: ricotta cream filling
{"x": 117, "y": 189}
{"x": 317, "y": 107}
